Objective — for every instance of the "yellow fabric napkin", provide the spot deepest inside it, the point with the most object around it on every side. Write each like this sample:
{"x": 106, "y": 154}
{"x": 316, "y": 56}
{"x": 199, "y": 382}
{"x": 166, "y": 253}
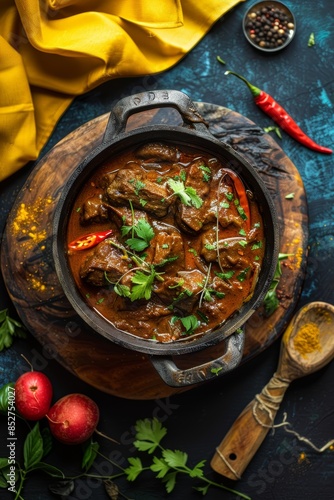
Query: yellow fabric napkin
{"x": 53, "y": 50}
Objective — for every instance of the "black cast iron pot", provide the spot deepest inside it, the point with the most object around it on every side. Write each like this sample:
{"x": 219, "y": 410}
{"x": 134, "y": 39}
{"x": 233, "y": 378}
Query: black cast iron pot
{"x": 193, "y": 132}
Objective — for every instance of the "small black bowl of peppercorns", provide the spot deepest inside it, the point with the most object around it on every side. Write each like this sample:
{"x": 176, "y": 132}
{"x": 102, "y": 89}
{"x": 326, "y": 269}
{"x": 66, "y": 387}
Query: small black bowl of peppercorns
{"x": 269, "y": 26}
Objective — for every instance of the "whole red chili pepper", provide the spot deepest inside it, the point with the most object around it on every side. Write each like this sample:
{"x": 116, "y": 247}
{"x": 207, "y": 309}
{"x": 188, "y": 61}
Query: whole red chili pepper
{"x": 89, "y": 240}
{"x": 280, "y": 116}
{"x": 242, "y": 195}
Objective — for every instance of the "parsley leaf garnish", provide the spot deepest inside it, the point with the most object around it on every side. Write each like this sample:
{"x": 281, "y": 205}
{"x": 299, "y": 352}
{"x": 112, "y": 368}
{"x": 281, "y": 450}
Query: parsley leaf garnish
{"x": 206, "y": 173}
{"x": 190, "y": 323}
{"x": 226, "y": 275}
{"x": 242, "y": 275}
{"x": 122, "y": 290}
{"x": 187, "y": 195}
{"x": 142, "y": 233}
{"x": 143, "y": 283}
{"x": 271, "y": 301}
{"x": 138, "y": 185}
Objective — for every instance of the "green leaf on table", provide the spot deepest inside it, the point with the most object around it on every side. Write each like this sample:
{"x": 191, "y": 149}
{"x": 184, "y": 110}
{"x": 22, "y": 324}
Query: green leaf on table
{"x": 170, "y": 481}
{"x": 160, "y": 466}
{"x": 33, "y": 448}
{"x": 311, "y": 40}
{"x": 5, "y": 471}
{"x": 202, "y": 489}
{"x": 47, "y": 440}
{"x": 49, "y": 469}
{"x": 3, "y": 463}
{"x": 9, "y": 328}
{"x": 4, "y": 392}
{"x": 90, "y": 454}
{"x": 272, "y": 128}
{"x": 3, "y": 480}
{"x": 134, "y": 469}
{"x": 149, "y": 433}
{"x": 175, "y": 458}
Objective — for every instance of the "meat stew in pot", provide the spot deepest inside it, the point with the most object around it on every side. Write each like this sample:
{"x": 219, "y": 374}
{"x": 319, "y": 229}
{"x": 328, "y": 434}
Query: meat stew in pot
{"x": 165, "y": 243}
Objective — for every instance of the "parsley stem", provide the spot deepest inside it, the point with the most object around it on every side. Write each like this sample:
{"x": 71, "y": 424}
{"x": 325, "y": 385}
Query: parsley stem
{"x": 22, "y": 479}
{"x": 223, "y": 487}
{"x": 133, "y": 219}
{"x": 112, "y": 463}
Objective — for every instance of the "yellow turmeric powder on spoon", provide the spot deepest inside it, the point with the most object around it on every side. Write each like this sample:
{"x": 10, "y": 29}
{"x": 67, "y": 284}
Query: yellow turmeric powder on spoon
{"x": 307, "y": 339}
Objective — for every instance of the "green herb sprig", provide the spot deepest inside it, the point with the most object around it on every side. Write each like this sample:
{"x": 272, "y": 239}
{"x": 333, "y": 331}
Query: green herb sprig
{"x": 187, "y": 195}
{"x": 166, "y": 464}
{"x": 271, "y": 302}
{"x": 190, "y": 323}
{"x": 9, "y": 329}
{"x": 141, "y": 233}
{"x": 169, "y": 464}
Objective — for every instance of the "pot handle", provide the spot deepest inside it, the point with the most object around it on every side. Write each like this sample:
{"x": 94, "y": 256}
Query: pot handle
{"x": 149, "y": 100}
{"x": 175, "y": 377}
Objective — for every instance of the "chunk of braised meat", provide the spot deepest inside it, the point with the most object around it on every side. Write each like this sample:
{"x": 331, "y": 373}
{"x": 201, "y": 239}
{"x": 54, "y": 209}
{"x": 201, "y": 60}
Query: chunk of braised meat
{"x": 209, "y": 245}
{"x": 188, "y": 217}
{"x": 93, "y": 210}
{"x": 198, "y": 177}
{"x": 231, "y": 251}
{"x": 124, "y": 216}
{"x": 224, "y": 202}
{"x": 104, "y": 264}
{"x": 214, "y": 197}
{"x": 181, "y": 290}
{"x": 157, "y": 152}
{"x": 166, "y": 244}
{"x": 209, "y": 307}
{"x": 161, "y": 329}
{"x": 135, "y": 185}
{"x": 167, "y": 331}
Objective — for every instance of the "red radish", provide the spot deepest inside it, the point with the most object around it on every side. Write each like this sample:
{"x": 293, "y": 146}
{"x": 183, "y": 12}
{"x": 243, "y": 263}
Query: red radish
{"x": 33, "y": 395}
{"x": 73, "y": 418}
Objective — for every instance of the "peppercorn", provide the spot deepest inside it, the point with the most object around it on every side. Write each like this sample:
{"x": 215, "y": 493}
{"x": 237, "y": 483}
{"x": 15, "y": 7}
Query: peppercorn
{"x": 268, "y": 27}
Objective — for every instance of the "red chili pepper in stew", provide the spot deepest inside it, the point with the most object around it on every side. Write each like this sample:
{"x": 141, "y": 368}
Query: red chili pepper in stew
{"x": 89, "y": 240}
{"x": 242, "y": 196}
{"x": 280, "y": 116}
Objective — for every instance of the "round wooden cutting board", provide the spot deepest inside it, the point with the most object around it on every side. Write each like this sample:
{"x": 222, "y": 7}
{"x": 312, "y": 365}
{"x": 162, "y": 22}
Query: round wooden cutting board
{"x": 31, "y": 280}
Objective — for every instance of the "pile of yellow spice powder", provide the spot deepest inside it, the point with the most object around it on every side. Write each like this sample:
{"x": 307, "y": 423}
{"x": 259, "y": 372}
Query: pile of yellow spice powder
{"x": 307, "y": 339}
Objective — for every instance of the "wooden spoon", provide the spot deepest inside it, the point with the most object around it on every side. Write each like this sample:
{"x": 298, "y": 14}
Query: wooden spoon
{"x": 251, "y": 427}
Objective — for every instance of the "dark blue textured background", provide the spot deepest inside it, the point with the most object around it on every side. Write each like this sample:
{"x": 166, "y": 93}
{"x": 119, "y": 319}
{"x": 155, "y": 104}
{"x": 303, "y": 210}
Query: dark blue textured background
{"x": 302, "y": 79}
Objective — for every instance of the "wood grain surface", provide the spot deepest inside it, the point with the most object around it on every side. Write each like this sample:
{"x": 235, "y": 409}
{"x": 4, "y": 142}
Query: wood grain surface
{"x": 31, "y": 281}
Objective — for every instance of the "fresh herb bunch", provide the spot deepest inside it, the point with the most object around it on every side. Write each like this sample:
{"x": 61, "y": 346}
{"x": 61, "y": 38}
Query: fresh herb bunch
{"x": 166, "y": 464}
